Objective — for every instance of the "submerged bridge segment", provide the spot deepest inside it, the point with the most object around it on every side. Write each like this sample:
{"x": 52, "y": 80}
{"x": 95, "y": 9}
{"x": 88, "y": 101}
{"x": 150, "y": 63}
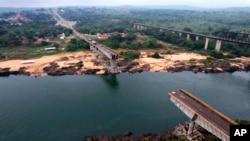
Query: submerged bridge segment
{"x": 225, "y": 37}
{"x": 202, "y": 114}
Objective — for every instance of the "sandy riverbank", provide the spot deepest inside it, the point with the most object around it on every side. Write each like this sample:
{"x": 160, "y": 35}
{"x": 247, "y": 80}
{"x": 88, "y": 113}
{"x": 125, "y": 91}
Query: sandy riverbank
{"x": 167, "y": 60}
{"x": 89, "y": 59}
{"x": 63, "y": 60}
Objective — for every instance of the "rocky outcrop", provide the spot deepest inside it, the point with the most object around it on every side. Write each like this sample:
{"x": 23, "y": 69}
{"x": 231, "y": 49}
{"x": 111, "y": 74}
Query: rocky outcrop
{"x": 179, "y": 133}
{"x": 128, "y": 136}
{"x": 127, "y": 66}
{"x": 7, "y": 71}
{"x": 207, "y": 68}
{"x": 91, "y": 71}
{"x": 54, "y": 70}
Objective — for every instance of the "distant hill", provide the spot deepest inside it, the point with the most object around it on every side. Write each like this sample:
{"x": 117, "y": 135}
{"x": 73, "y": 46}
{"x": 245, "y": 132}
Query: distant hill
{"x": 246, "y": 9}
{"x": 11, "y": 9}
{"x": 181, "y": 7}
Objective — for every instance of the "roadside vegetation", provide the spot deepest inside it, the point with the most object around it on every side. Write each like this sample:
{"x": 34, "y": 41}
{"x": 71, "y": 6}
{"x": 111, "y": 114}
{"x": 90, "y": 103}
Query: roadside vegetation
{"x": 210, "y": 22}
{"x": 36, "y": 29}
{"x": 76, "y": 44}
{"x": 130, "y": 55}
{"x": 242, "y": 122}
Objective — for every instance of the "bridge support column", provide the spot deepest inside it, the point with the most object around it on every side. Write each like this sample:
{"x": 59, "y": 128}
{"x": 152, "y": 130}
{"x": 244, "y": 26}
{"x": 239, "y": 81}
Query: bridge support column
{"x": 92, "y": 48}
{"x": 138, "y": 27}
{"x": 160, "y": 29}
{"x": 190, "y": 127}
{"x": 113, "y": 68}
{"x": 206, "y": 43}
{"x": 218, "y": 45}
{"x": 173, "y": 32}
{"x": 188, "y": 36}
{"x": 180, "y": 34}
{"x": 134, "y": 26}
{"x": 197, "y": 38}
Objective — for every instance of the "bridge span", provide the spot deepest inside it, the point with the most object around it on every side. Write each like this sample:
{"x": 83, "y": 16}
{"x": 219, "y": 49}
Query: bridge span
{"x": 202, "y": 114}
{"x": 219, "y": 40}
{"x": 101, "y": 50}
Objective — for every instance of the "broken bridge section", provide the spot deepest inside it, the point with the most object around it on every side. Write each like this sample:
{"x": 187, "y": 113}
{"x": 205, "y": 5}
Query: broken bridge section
{"x": 202, "y": 114}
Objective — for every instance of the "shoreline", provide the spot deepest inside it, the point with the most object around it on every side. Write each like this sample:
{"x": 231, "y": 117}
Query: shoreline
{"x": 178, "y": 133}
{"x": 86, "y": 62}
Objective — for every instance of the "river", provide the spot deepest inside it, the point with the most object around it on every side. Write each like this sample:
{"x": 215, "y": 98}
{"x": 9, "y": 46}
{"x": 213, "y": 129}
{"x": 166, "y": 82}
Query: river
{"x": 71, "y": 107}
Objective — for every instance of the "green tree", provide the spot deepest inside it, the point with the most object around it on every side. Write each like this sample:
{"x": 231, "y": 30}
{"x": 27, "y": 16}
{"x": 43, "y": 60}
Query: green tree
{"x": 76, "y": 44}
{"x": 130, "y": 55}
{"x": 188, "y": 29}
{"x": 150, "y": 43}
{"x": 156, "y": 55}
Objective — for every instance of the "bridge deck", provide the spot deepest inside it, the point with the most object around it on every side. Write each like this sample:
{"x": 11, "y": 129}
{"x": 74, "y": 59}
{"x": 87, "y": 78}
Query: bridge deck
{"x": 98, "y": 45}
{"x": 200, "y": 108}
{"x": 198, "y": 34}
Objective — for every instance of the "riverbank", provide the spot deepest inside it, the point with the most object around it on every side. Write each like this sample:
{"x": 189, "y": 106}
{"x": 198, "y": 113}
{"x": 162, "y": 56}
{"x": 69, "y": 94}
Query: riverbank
{"x": 86, "y": 62}
{"x": 178, "y": 133}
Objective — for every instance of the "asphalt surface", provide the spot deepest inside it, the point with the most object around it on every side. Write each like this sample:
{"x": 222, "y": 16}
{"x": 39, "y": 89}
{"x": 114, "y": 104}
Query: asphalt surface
{"x": 68, "y": 24}
{"x": 203, "y": 111}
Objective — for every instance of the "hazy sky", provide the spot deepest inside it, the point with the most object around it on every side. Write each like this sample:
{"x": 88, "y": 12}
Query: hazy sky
{"x": 53, "y": 3}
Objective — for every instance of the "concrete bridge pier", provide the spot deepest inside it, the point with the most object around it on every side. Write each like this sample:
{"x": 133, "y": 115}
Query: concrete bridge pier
{"x": 138, "y": 27}
{"x": 206, "y": 43}
{"x": 218, "y": 45}
{"x": 180, "y": 34}
{"x": 160, "y": 29}
{"x": 196, "y": 38}
{"x": 113, "y": 68}
{"x": 188, "y": 36}
{"x": 92, "y": 48}
{"x": 100, "y": 54}
{"x": 134, "y": 26}
{"x": 190, "y": 127}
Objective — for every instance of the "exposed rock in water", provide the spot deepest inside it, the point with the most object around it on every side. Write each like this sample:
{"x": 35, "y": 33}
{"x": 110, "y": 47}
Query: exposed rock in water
{"x": 91, "y": 71}
{"x": 7, "y": 71}
{"x": 4, "y": 71}
{"x": 179, "y": 133}
{"x": 127, "y": 136}
{"x": 54, "y": 69}
{"x": 128, "y": 67}
{"x": 146, "y": 67}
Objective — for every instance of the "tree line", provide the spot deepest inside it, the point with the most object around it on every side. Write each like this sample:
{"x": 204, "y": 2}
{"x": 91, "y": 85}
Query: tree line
{"x": 39, "y": 25}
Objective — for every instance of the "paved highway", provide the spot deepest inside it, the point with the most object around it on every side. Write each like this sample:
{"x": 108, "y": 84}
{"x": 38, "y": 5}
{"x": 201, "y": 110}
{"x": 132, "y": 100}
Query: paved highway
{"x": 69, "y": 24}
{"x": 201, "y": 109}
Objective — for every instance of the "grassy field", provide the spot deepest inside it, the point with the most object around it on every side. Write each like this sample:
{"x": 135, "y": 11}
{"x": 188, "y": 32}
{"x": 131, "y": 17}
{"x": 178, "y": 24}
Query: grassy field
{"x": 23, "y": 52}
